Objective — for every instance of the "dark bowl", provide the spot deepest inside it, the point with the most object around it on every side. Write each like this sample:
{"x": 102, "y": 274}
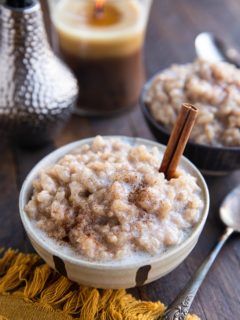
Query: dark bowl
{"x": 208, "y": 159}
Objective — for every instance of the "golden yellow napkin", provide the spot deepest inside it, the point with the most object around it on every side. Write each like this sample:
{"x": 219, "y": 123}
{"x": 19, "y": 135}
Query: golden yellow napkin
{"x": 30, "y": 290}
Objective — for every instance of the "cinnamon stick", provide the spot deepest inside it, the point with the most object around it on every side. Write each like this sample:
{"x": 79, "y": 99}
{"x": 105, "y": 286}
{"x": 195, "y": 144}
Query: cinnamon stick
{"x": 178, "y": 140}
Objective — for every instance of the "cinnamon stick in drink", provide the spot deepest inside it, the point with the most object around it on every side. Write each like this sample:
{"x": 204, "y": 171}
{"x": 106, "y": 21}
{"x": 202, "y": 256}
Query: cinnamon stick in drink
{"x": 178, "y": 140}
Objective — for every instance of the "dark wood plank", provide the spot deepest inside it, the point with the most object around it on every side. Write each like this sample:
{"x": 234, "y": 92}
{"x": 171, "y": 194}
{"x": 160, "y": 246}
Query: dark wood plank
{"x": 11, "y": 232}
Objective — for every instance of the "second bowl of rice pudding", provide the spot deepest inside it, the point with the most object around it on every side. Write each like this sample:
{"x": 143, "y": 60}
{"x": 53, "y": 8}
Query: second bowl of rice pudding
{"x": 214, "y": 88}
{"x": 99, "y": 211}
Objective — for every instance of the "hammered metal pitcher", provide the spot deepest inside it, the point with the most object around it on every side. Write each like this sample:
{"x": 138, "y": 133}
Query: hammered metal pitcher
{"x": 37, "y": 91}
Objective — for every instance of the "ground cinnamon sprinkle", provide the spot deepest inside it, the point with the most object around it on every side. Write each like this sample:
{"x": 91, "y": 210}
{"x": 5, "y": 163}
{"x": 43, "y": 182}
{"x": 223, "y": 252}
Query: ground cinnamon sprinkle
{"x": 108, "y": 201}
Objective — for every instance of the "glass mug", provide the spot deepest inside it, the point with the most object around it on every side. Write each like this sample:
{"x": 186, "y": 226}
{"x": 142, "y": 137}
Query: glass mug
{"x": 102, "y": 42}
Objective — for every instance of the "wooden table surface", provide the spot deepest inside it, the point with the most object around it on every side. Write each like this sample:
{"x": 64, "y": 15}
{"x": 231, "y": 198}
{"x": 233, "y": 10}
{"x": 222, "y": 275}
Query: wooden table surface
{"x": 172, "y": 28}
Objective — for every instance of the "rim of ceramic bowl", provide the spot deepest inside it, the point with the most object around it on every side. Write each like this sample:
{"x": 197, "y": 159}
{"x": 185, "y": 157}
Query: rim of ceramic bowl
{"x": 54, "y": 156}
{"x": 160, "y": 127}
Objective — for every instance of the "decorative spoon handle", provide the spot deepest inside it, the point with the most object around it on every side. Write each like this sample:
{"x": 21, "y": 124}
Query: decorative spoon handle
{"x": 179, "y": 309}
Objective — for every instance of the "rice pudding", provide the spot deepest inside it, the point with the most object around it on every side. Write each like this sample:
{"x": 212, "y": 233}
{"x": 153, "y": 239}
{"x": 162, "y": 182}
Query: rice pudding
{"x": 214, "y": 88}
{"x": 108, "y": 201}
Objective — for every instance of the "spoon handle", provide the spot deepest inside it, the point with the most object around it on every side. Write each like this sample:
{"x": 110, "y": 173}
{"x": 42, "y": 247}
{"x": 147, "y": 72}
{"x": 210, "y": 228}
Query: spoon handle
{"x": 179, "y": 309}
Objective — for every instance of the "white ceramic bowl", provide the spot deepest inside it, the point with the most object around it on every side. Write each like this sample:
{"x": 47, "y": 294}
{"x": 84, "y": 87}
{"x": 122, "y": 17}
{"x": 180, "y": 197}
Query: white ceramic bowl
{"x": 102, "y": 275}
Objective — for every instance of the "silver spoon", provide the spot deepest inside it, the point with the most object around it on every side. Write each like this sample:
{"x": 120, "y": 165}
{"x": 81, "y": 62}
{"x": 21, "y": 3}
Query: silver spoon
{"x": 214, "y": 49}
{"x": 230, "y": 216}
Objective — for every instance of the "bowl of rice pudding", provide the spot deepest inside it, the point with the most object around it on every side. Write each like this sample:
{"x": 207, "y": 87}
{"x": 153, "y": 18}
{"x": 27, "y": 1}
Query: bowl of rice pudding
{"x": 214, "y": 88}
{"x": 99, "y": 211}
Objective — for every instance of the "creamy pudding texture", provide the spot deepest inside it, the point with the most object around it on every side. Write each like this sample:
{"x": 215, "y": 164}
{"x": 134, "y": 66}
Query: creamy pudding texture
{"x": 108, "y": 201}
{"x": 214, "y": 88}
